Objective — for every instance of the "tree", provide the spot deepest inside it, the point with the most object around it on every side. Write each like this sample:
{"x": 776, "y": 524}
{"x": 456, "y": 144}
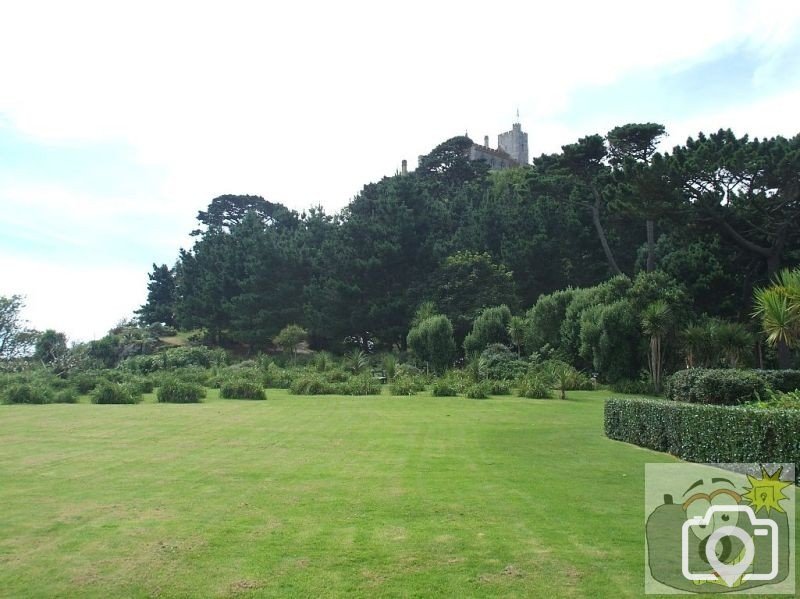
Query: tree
{"x": 516, "y": 332}
{"x": 15, "y": 337}
{"x": 490, "y": 327}
{"x": 50, "y": 346}
{"x": 227, "y": 211}
{"x": 432, "y": 342}
{"x": 290, "y": 337}
{"x": 778, "y": 308}
{"x": 734, "y": 342}
{"x": 160, "y": 306}
{"x": 645, "y": 186}
{"x": 468, "y": 282}
{"x": 585, "y": 161}
{"x": 656, "y": 324}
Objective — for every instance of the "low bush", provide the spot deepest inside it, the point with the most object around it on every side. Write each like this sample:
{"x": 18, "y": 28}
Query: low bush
{"x": 363, "y": 384}
{"x": 241, "y": 389}
{"x": 26, "y": 393}
{"x": 142, "y": 384}
{"x": 177, "y": 391}
{"x": 275, "y": 377}
{"x": 501, "y": 363}
{"x": 535, "y": 386}
{"x": 312, "y": 385}
{"x": 477, "y": 390}
{"x": 498, "y": 387}
{"x": 776, "y": 400}
{"x": 443, "y": 388}
{"x": 403, "y": 385}
{"x": 85, "y": 381}
{"x": 715, "y": 386}
{"x": 781, "y": 380}
{"x": 68, "y": 395}
{"x": 114, "y": 393}
{"x": 706, "y": 433}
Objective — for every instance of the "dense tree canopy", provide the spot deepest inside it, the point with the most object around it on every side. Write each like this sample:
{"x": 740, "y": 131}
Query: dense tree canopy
{"x": 712, "y": 219}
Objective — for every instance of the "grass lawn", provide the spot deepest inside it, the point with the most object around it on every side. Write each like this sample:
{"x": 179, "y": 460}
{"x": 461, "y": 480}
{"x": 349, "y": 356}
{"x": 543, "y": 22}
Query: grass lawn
{"x": 320, "y": 496}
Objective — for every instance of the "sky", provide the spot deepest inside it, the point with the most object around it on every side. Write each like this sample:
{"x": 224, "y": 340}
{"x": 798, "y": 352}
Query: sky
{"x": 120, "y": 121}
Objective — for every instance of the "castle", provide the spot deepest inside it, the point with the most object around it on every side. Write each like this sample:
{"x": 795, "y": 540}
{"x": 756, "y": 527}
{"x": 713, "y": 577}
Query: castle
{"x": 512, "y": 149}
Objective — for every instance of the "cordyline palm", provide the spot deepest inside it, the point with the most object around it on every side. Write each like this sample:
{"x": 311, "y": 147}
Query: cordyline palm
{"x": 656, "y": 322}
{"x": 778, "y": 308}
{"x": 516, "y": 332}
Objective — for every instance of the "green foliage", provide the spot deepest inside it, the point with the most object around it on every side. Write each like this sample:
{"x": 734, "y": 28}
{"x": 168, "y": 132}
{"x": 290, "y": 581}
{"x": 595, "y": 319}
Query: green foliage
{"x": 275, "y": 377}
{"x": 362, "y": 384}
{"x": 176, "y": 391}
{"x": 706, "y": 433}
{"x": 290, "y": 337}
{"x": 443, "y": 387}
{"x": 403, "y": 386}
{"x": 49, "y": 346}
{"x": 780, "y": 401}
{"x": 468, "y": 282}
{"x": 241, "y": 389}
{"x": 610, "y": 340}
{"x": 535, "y": 385}
{"x": 389, "y": 363}
{"x": 715, "y": 386}
{"x": 356, "y": 361}
{"x": 160, "y": 305}
{"x": 15, "y": 337}
{"x": 115, "y": 393}
{"x": 491, "y": 326}
{"x": 323, "y": 361}
{"x": 633, "y": 387}
{"x": 313, "y": 384}
{"x": 500, "y": 363}
{"x": 478, "y": 390}
{"x": 68, "y": 395}
{"x": 781, "y": 380}
{"x": 26, "y": 393}
{"x": 544, "y": 320}
{"x": 85, "y": 381}
{"x": 432, "y": 342}
{"x": 498, "y": 387}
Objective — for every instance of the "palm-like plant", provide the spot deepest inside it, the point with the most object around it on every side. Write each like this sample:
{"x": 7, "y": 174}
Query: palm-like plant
{"x": 696, "y": 341}
{"x": 734, "y": 341}
{"x": 562, "y": 375}
{"x": 778, "y": 308}
{"x": 656, "y": 323}
{"x": 516, "y": 332}
{"x": 357, "y": 361}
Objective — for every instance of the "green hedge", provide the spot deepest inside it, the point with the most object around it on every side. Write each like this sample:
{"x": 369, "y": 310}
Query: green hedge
{"x": 715, "y": 386}
{"x": 781, "y": 380}
{"x": 704, "y": 433}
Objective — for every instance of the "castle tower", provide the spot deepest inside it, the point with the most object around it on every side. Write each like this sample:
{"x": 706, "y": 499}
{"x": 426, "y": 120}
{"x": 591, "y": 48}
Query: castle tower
{"x": 514, "y": 143}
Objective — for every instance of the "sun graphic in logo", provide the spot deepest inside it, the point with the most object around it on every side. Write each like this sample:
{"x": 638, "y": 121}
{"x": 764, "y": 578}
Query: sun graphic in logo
{"x": 766, "y": 492}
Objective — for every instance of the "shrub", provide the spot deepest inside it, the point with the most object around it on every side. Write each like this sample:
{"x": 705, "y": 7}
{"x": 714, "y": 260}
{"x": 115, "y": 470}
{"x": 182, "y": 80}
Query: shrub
{"x": 498, "y": 387}
{"x": 85, "y": 381}
{"x": 432, "y": 341}
{"x": 706, "y": 433}
{"x": 781, "y": 380}
{"x": 275, "y": 377}
{"x": 361, "y": 385}
{"x": 115, "y": 393}
{"x": 491, "y": 326}
{"x": 68, "y": 395}
{"x": 501, "y": 363}
{"x": 780, "y": 401}
{"x": 142, "y": 385}
{"x": 25, "y": 393}
{"x": 443, "y": 388}
{"x": 715, "y": 386}
{"x": 535, "y": 386}
{"x": 403, "y": 386}
{"x": 477, "y": 390}
{"x": 176, "y": 391}
{"x": 312, "y": 385}
{"x": 241, "y": 389}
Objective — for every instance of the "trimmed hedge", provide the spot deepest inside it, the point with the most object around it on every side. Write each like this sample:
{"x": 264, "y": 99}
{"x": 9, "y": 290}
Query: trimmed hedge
{"x": 706, "y": 433}
{"x": 715, "y": 386}
{"x": 781, "y": 380}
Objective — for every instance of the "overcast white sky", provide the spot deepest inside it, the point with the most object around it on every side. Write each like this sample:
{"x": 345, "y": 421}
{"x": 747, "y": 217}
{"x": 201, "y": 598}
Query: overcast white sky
{"x": 119, "y": 122}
